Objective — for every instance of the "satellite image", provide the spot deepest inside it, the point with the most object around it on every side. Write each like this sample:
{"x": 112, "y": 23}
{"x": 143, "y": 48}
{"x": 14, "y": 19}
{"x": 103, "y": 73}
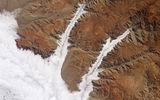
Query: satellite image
{"x": 79, "y": 49}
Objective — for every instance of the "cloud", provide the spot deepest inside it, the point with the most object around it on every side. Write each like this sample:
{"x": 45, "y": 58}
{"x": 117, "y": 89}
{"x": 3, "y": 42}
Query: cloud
{"x": 86, "y": 85}
{"x": 25, "y": 76}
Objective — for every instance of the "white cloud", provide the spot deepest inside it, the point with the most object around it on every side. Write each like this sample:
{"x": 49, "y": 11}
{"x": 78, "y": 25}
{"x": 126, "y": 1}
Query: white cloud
{"x": 86, "y": 85}
{"x": 25, "y": 76}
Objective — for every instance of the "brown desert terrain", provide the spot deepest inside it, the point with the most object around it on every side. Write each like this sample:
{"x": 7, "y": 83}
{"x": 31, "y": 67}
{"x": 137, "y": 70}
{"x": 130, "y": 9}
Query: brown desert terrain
{"x": 130, "y": 72}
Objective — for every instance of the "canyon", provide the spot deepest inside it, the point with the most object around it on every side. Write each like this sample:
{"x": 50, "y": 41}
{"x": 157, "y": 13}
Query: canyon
{"x": 131, "y": 71}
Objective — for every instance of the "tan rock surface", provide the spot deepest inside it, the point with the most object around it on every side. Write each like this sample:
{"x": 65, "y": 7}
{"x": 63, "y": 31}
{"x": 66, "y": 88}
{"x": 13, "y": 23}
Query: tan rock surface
{"x": 40, "y": 22}
{"x": 11, "y": 5}
{"x": 104, "y": 19}
{"x": 131, "y": 70}
{"x": 74, "y": 66}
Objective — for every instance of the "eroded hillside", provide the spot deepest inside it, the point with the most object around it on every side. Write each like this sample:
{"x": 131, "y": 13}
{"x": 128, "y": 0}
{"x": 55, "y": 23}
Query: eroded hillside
{"x": 131, "y": 70}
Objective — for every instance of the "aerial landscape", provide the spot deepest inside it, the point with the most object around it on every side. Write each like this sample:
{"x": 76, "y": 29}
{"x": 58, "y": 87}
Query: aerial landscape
{"x": 79, "y": 49}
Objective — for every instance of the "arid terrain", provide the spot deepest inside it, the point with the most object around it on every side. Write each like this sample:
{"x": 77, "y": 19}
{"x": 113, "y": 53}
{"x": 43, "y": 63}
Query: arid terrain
{"x": 130, "y": 72}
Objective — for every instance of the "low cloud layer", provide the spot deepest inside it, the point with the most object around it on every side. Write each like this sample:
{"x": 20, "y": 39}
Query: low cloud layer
{"x": 25, "y": 76}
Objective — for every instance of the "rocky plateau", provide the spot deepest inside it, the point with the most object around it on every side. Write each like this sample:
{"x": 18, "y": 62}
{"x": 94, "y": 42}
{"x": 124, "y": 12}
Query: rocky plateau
{"x": 130, "y": 72}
